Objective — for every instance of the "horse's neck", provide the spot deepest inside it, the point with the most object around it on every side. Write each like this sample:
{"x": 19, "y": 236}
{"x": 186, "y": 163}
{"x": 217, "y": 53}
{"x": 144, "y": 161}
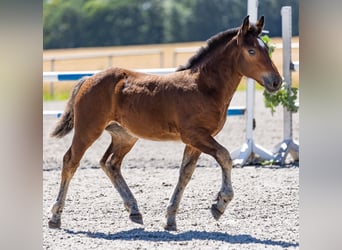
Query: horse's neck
{"x": 220, "y": 76}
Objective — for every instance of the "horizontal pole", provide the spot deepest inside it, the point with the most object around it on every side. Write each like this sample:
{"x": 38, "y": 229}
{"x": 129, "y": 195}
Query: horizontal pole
{"x": 55, "y": 76}
{"x": 293, "y": 45}
{"x": 232, "y": 111}
{"x": 186, "y": 50}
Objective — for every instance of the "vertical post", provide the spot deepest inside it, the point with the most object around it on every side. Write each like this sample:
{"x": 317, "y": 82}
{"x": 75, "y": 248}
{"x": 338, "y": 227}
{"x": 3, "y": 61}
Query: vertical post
{"x": 287, "y": 35}
{"x": 110, "y": 60}
{"x": 287, "y": 145}
{"x": 161, "y": 56}
{"x": 250, "y": 102}
{"x": 252, "y": 11}
{"x": 286, "y": 14}
{"x": 174, "y": 58}
{"x": 249, "y": 149}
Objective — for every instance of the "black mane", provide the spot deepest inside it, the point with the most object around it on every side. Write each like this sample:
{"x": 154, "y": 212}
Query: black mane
{"x": 212, "y": 43}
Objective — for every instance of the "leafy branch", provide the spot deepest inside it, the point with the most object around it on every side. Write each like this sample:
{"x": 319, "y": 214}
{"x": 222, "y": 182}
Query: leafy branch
{"x": 267, "y": 40}
{"x": 285, "y": 96}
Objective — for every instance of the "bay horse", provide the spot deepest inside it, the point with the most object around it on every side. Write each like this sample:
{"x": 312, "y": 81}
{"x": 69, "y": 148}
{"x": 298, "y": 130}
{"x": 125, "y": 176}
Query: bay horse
{"x": 189, "y": 105}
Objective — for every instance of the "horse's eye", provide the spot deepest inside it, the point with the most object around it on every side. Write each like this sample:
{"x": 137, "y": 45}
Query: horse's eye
{"x": 251, "y": 52}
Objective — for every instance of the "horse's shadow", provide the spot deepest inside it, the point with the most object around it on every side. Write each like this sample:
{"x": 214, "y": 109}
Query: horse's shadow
{"x": 141, "y": 234}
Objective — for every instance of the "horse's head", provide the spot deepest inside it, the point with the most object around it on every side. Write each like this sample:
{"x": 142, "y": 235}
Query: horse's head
{"x": 253, "y": 60}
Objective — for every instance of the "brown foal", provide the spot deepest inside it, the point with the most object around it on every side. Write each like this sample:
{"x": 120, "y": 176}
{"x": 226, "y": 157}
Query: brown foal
{"x": 189, "y": 105}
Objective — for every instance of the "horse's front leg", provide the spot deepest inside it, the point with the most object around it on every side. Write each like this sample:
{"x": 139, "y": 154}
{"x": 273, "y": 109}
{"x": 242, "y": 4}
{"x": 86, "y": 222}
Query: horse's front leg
{"x": 207, "y": 144}
{"x": 190, "y": 158}
{"x": 225, "y": 195}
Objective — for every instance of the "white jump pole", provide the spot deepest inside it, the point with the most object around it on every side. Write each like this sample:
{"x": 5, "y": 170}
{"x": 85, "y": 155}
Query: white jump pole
{"x": 249, "y": 149}
{"x": 287, "y": 145}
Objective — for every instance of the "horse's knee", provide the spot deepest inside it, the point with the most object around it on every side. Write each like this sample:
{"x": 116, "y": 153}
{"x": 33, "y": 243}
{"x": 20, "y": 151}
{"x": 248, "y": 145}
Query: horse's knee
{"x": 223, "y": 154}
{"x": 223, "y": 157}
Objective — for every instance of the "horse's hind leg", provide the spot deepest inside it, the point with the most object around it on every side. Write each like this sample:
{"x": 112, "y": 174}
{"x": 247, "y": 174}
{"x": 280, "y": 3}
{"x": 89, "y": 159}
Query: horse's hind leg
{"x": 190, "y": 158}
{"x": 121, "y": 144}
{"x": 71, "y": 160}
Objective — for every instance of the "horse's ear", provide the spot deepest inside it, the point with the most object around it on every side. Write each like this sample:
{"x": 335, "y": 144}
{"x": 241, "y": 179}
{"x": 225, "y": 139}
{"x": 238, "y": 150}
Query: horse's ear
{"x": 260, "y": 24}
{"x": 245, "y": 25}
{"x": 243, "y": 29}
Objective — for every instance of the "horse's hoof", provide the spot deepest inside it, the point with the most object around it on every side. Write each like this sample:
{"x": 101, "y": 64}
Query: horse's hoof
{"x": 216, "y": 212}
{"x": 55, "y": 224}
{"x": 170, "y": 227}
{"x": 137, "y": 218}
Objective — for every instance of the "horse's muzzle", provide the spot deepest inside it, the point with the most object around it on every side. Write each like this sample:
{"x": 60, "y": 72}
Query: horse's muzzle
{"x": 272, "y": 82}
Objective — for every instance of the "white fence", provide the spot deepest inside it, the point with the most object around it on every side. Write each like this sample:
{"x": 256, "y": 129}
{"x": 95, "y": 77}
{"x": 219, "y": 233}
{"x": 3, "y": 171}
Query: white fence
{"x": 110, "y": 56}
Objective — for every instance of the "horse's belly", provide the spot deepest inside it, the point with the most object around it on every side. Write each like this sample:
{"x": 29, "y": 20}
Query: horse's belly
{"x": 155, "y": 135}
{"x": 152, "y": 130}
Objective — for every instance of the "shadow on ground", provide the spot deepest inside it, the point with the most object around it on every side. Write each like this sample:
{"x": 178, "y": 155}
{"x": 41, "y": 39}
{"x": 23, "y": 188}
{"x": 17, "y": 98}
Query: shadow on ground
{"x": 164, "y": 236}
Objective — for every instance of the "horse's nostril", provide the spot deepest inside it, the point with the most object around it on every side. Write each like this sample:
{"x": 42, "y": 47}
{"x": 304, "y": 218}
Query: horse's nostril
{"x": 275, "y": 84}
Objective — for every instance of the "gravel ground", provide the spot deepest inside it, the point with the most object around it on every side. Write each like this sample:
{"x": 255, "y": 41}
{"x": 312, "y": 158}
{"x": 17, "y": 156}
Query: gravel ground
{"x": 264, "y": 213}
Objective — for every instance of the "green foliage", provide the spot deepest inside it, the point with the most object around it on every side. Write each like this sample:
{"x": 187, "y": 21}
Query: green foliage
{"x": 60, "y": 96}
{"x": 86, "y": 23}
{"x": 177, "y": 16}
{"x": 270, "y": 46}
{"x": 285, "y": 96}
{"x": 211, "y": 17}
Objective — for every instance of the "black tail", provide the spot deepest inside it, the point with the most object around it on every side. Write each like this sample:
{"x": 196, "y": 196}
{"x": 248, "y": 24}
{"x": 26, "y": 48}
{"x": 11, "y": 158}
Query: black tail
{"x": 66, "y": 122}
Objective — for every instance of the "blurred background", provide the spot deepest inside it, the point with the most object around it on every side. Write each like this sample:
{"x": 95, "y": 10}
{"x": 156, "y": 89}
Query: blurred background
{"x": 96, "y": 23}
{"x": 141, "y": 34}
